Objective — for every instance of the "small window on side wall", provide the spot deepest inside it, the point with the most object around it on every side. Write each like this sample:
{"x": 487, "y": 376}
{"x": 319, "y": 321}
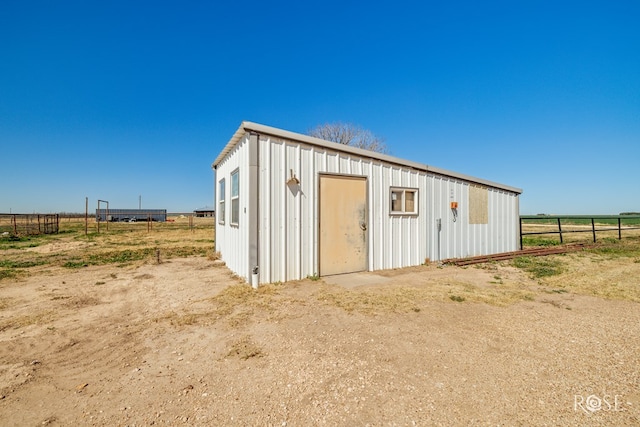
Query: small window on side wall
{"x": 404, "y": 201}
{"x": 235, "y": 197}
{"x": 221, "y": 201}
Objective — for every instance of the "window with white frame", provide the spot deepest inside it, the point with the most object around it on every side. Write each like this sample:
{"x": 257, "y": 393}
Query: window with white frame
{"x": 404, "y": 201}
{"x": 235, "y": 197}
{"x": 221, "y": 201}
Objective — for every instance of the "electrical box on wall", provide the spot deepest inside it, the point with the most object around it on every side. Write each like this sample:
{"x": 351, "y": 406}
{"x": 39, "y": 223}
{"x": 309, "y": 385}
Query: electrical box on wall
{"x": 454, "y": 205}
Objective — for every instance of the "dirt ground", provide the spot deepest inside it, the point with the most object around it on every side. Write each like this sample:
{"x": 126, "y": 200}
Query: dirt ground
{"x": 184, "y": 343}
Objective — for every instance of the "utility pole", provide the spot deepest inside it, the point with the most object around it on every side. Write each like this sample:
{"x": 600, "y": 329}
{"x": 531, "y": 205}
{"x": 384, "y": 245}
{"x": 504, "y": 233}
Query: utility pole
{"x": 140, "y": 202}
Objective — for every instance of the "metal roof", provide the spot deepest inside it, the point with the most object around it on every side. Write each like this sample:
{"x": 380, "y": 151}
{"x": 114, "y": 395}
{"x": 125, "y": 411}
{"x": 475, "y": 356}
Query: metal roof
{"x": 246, "y": 127}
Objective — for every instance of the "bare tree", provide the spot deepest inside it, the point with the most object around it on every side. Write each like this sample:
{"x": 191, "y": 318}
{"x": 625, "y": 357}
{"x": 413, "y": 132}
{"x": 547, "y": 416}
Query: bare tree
{"x": 349, "y": 134}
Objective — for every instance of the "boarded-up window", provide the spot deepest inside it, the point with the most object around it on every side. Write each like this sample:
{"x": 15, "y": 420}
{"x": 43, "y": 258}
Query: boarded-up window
{"x": 478, "y": 204}
{"x": 409, "y": 201}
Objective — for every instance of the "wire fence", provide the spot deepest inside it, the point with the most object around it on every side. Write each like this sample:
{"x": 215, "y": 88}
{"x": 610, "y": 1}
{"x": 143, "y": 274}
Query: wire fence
{"x": 29, "y": 224}
{"x": 34, "y": 224}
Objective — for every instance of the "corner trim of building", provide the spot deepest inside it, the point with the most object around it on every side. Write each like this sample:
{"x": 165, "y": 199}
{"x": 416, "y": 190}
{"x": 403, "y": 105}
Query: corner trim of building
{"x": 253, "y": 203}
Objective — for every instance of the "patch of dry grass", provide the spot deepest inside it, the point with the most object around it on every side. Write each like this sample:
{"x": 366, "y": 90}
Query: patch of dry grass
{"x": 404, "y": 299}
{"x": 38, "y": 318}
{"x": 237, "y": 304}
{"x": 80, "y": 301}
{"x": 394, "y": 299}
{"x": 599, "y": 275}
{"x": 228, "y": 301}
{"x": 244, "y": 349}
{"x": 184, "y": 319}
{"x": 240, "y": 302}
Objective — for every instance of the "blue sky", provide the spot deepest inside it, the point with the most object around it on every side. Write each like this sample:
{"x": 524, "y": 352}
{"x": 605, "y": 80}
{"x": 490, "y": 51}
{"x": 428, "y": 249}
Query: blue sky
{"x": 116, "y": 100}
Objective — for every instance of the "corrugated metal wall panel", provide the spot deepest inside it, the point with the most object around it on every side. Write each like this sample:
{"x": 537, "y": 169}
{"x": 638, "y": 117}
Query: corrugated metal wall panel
{"x": 265, "y": 201}
{"x": 293, "y": 221}
{"x": 231, "y": 241}
{"x": 306, "y": 176}
{"x": 459, "y": 238}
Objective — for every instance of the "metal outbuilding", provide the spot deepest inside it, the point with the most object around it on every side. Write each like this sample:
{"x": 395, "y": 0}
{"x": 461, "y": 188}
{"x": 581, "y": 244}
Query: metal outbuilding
{"x": 291, "y": 206}
{"x": 204, "y": 212}
{"x": 131, "y": 215}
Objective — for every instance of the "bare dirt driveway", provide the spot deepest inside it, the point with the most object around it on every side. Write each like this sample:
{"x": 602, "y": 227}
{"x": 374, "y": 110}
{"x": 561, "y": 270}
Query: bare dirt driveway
{"x": 184, "y": 343}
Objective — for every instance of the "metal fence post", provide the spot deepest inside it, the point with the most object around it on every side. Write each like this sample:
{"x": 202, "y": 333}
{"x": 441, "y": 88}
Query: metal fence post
{"x": 560, "y": 230}
{"x": 619, "y": 229}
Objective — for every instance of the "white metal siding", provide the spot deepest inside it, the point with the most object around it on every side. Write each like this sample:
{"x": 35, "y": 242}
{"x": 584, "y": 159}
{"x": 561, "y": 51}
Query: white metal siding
{"x": 458, "y": 238}
{"x": 232, "y": 241}
{"x": 288, "y": 214}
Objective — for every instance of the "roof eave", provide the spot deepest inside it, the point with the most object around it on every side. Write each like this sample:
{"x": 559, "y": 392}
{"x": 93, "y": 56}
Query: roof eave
{"x": 246, "y": 126}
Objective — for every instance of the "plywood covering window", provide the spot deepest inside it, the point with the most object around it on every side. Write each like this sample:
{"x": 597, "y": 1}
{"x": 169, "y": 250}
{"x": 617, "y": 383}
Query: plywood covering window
{"x": 235, "y": 197}
{"x": 404, "y": 201}
{"x": 221, "y": 201}
{"x": 478, "y": 204}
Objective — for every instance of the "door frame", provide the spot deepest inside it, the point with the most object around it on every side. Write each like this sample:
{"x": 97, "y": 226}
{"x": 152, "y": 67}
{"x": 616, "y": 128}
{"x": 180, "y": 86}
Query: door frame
{"x": 368, "y": 215}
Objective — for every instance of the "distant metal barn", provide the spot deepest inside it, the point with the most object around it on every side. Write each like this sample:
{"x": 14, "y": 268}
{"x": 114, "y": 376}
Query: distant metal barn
{"x": 204, "y": 212}
{"x": 131, "y": 214}
{"x": 291, "y": 206}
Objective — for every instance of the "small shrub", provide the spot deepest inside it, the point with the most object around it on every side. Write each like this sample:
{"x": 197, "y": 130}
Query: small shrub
{"x": 456, "y": 298}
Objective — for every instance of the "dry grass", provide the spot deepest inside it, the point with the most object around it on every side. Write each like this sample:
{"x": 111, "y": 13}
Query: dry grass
{"x": 123, "y": 244}
{"x": 239, "y": 303}
{"x": 600, "y": 276}
{"x": 609, "y": 270}
{"x": 236, "y": 304}
{"x": 38, "y": 318}
{"x": 81, "y": 301}
{"x": 176, "y": 319}
{"x": 228, "y": 301}
{"x": 245, "y": 348}
{"x": 401, "y": 299}
{"x": 392, "y": 300}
